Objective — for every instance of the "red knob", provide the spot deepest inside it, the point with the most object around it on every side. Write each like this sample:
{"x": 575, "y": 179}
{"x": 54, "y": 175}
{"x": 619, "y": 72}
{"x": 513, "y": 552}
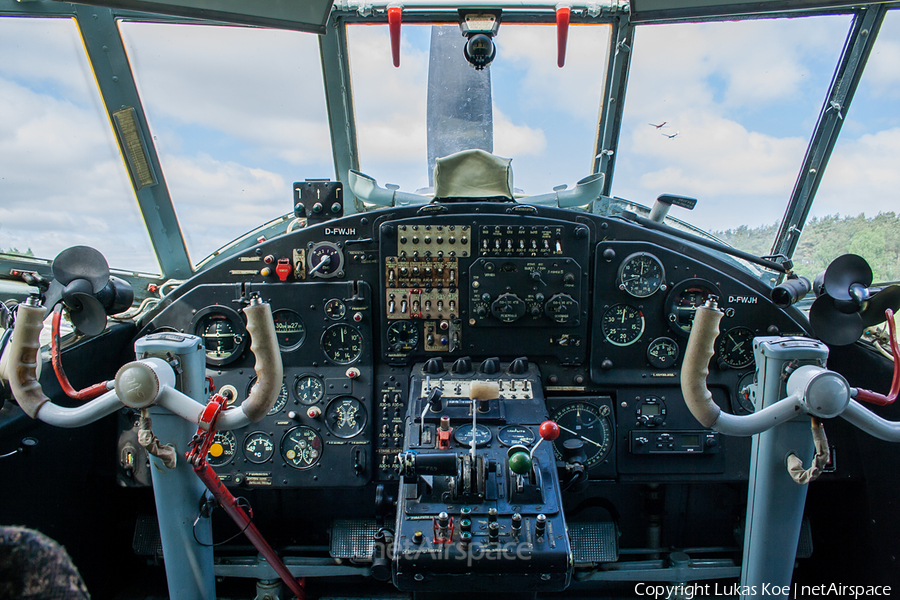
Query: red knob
{"x": 549, "y": 430}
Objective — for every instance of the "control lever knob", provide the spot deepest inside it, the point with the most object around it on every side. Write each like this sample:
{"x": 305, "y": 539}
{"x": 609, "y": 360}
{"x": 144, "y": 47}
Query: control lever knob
{"x": 434, "y": 365}
{"x": 490, "y": 366}
{"x": 462, "y": 365}
{"x": 434, "y": 400}
{"x": 519, "y": 366}
{"x": 520, "y": 463}
{"x": 549, "y": 431}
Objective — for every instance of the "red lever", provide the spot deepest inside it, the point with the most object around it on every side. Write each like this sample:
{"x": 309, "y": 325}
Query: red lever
{"x": 549, "y": 430}
{"x": 562, "y": 34}
{"x": 395, "y": 16}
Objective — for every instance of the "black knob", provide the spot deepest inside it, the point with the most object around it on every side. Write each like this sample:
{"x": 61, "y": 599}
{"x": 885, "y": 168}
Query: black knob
{"x": 516, "y": 522}
{"x": 573, "y": 451}
{"x": 434, "y": 400}
{"x": 492, "y": 515}
{"x": 519, "y": 366}
{"x": 462, "y": 365}
{"x": 540, "y": 525}
{"x": 490, "y": 365}
{"x": 434, "y": 365}
{"x": 494, "y": 531}
{"x": 481, "y": 311}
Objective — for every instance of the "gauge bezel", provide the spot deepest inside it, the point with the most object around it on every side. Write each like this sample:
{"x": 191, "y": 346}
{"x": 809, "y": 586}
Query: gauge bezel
{"x": 300, "y": 378}
{"x": 631, "y": 258}
{"x": 677, "y": 290}
{"x": 468, "y": 427}
{"x": 654, "y": 361}
{"x": 299, "y": 319}
{"x": 606, "y": 334}
{"x": 363, "y": 417}
{"x": 406, "y": 348}
{"x": 213, "y": 461}
{"x": 333, "y": 270}
{"x": 257, "y": 461}
{"x": 502, "y": 432}
{"x": 727, "y": 356}
{"x": 606, "y": 426}
{"x": 336, "y": 327}
{"x": 287, "y": 435}
{"x": 337, "y": 302}
{"x": 237, "y": 325}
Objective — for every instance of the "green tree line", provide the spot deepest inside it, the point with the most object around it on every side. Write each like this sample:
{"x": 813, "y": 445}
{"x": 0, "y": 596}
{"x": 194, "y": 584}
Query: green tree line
{"x": 877, "y": 239}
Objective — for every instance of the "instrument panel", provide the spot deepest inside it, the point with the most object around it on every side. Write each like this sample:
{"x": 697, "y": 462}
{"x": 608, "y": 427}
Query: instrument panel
{"x": 597, "y": 309}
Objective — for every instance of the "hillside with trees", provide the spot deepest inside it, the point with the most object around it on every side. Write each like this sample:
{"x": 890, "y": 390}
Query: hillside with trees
{"x": 877, "y": 239}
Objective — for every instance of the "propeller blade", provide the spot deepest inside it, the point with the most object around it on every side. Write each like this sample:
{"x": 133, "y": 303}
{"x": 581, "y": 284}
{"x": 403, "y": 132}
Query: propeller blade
{"x": 833, "y": 326}
{"x": 81, "y": 262}
{"x": 90, "y": 317}
{"x": 887, "y": 298}
{"x": 843, "y": 272}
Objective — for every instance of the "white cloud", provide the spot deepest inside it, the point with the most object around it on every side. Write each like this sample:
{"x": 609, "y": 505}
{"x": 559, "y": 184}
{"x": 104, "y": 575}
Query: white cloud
{"x": 516, "y": 140}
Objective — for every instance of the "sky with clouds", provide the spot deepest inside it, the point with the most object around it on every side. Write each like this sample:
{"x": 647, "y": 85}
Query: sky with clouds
{"x": 238, "y": 115}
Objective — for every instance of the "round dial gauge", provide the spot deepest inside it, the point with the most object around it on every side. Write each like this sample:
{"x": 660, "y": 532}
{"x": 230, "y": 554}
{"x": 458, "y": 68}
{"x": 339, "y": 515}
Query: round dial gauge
{"x": 221, "y": 451}
{"x": 463, "y": 435}
{"x": 335, "y": 309}
{"x": 735, "y": 347}
{"x": 562, "y": 309}
{"x": 585, "y": 422}
{"x": 683, "y": 300}
{"x": 622, "y": 324}
{"x": 744, "y": 404}
{"x": 325, "y": 260}
{"x": 513, "y": 435}
{"x": 641, "y": 275}
{"x": 280, "y": 401}
{"x": 302, "y": 447}
{"x": 508, "y": 308}
{"x": 342, "y": 343}
{"x": 662, "y": 353}
{"x": 223, "y": 334}
{"x": 258, "y": 447}
{"x": 345, "y": 416}
{"x": 308, "y": 389}
{"x": 289, "y": 329}
{"x": 403, "y": 336}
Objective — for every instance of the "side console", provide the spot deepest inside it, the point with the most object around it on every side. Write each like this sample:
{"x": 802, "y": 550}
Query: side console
{"x": 479, "y": 492}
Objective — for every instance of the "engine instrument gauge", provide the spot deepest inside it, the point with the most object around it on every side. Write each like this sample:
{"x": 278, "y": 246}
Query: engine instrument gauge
{"x": 308, "y": 389}
{"x": 588, "y": 423}
{"x": 345, "y": 416}
{"x": 641, "y": 275}
{"x": 463, "y": 435}
{"x": 342, "y": 343}
{"x": 662, "y": 352}
{"x": 302, "y": 447}
{"x": 335, "y": 309}
{"x": 223, "y": 333}
{"x": 513, "y": 435}
{"x": 221, "y": 451}
{"x": 735, "y": 347}
{"x": 683, "y": 300}
{"x": 289, "y": 329}
{"x": 403, "y": 337}
{"x": 744, "y": 403}
{"x": 258, "y": 447}
{"x": 280, "y": 401}
{"x": 325, "y": 260}
{"x": 622, "y": 324}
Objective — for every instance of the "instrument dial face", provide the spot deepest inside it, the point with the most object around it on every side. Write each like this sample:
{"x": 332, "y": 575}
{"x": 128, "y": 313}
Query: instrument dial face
{"x": 562, "y": 309}
{"x": 289, "y": 329}
{"x": 742, "y": 394}
{"x": 463, "y": 435}
{"x": 622, "y": 324}
{"x": 258, "y": 447}
{"x": 513, "y": 435}
{"x": 345, "y": 417}
{"x": 223, "y": 334}
{"x": 325, "y": 260}
{"x": 641, "y": 275}
{"x": 342, "y": 343}
{"x": 280, "y": 401}
{"x": 662, "y": 353}
{"x": 403, "y": 336}
{"x": 309, "y": 389}
{"x": 335, "y": 309}
{"x": 302, "y": 447}
{"x": 221, "y": 451}
{"x": 735, "y": 347}
{"x": 588, "y": 423}
{"x": 683, "y": 300}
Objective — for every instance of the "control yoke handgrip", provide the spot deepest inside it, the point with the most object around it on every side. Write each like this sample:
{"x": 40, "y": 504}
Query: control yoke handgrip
{"x": 268, "y": 367}
{"x": 24, "y": 350}
{"x": 695, "y": 368}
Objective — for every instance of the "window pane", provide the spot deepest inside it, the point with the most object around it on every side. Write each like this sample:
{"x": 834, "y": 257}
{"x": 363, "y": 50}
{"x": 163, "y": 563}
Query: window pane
{"x": 237, "y": 115}
{"x": 544, "y": 117}
{"x": 857, "y": 203}
{"x": 63, "y": 182}
{"x": 723, "y": 112}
